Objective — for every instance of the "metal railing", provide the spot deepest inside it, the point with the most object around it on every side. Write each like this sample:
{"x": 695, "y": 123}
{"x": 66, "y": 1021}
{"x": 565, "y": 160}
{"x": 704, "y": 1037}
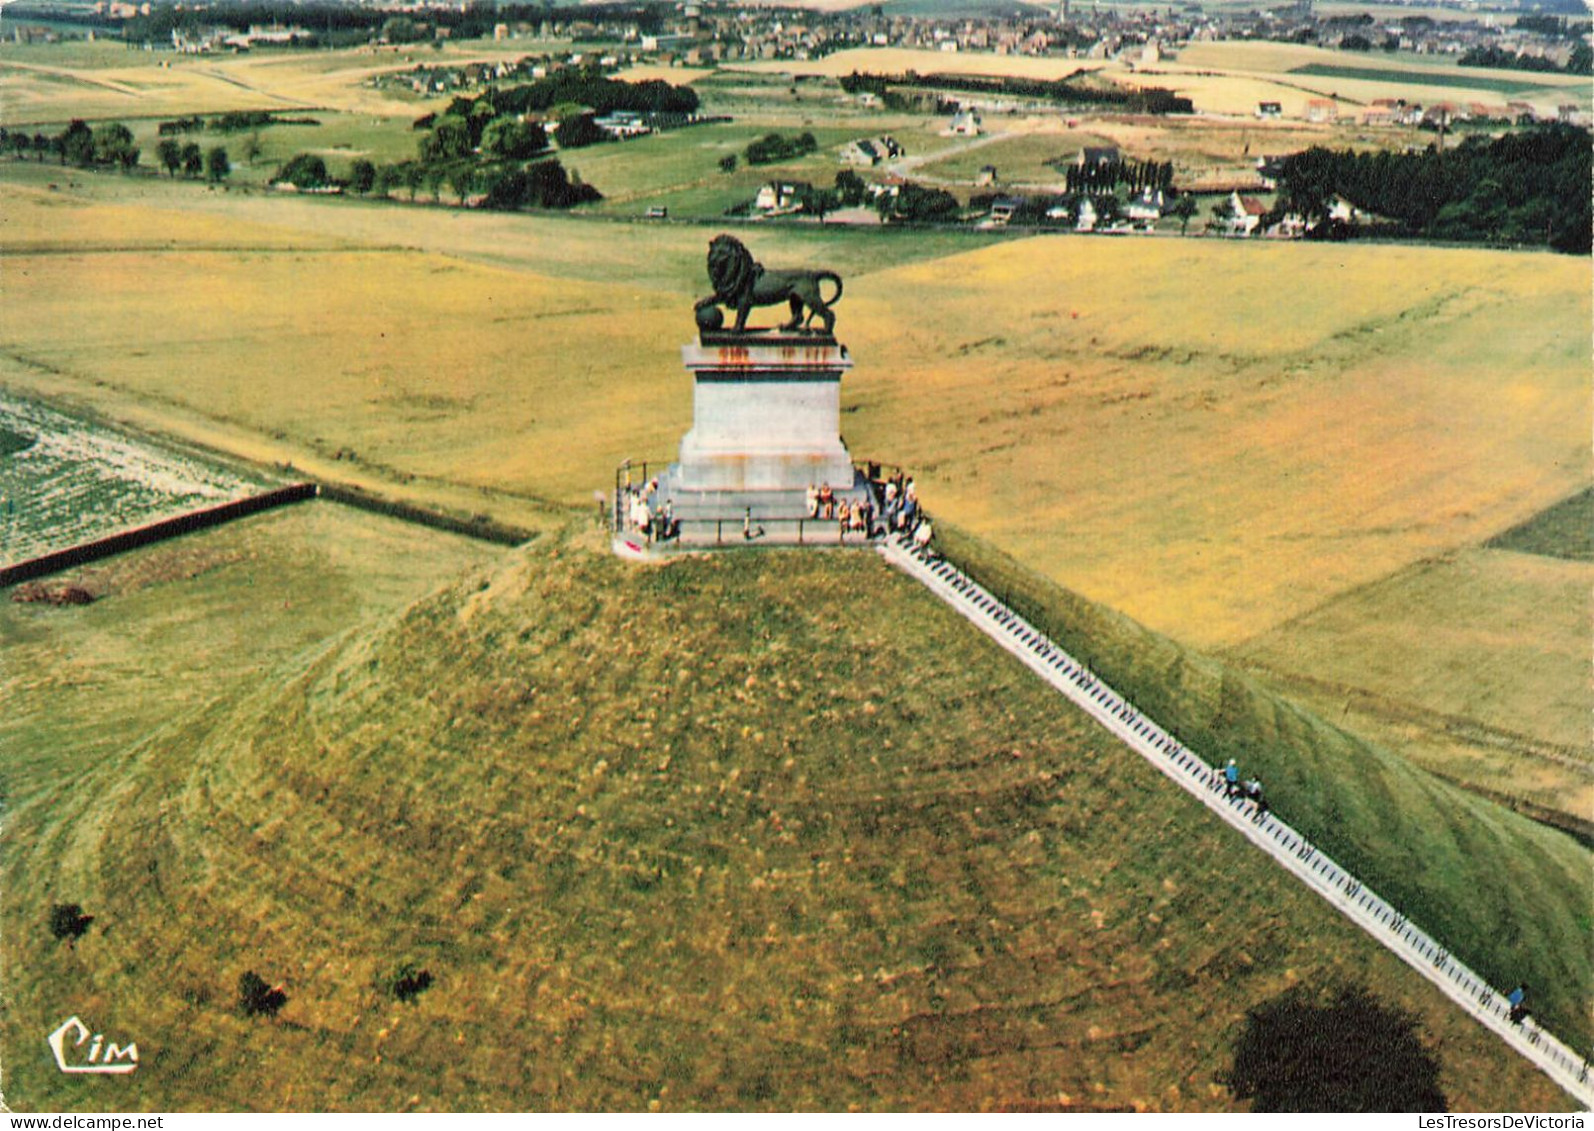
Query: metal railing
{"x": 1287, "y": 846}
{"x": 746, "y": 526}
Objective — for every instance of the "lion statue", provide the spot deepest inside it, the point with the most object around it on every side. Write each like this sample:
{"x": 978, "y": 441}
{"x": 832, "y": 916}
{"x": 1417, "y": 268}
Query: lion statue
{"x": 741, "y": 282}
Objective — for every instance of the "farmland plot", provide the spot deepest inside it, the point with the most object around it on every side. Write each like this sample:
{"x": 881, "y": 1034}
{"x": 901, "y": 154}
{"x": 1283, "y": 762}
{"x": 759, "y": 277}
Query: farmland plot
{"x": 64, "y": 481}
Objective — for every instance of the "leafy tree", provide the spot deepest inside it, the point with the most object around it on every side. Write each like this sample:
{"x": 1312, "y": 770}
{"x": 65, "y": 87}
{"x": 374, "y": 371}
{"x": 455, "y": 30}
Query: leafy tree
{"x": 414, "y": 176}
{"x": 76, "y": 144}
{"x": 67, "y": 922}
{"x": 850, "y": 188}
{"x": 581, "y": 130}
{"x": 774, "y": 147}
{"x": 544, "y": 184}
{"x": 193, "y": 160}
{"x": 1333, "y": 1050}
{"x": 462, "y": 178}
{"x": 170, "y": 154}
{"x": 448, "y": 141}
{"x": 217, "y": 167}
{"x": 507, "y": 138}
{"x": 915, "y": 203}
{"x": 400, "y": 29}
{"x": 251, "y": 148}
{"x": 728, "y": 163}
{"x": 1182, "y": 209}
{"x": 435, "y": 176}
{"x": 303, "y": 170}
{"x": 362, "y": 176}
{"x": 816, "y": 202}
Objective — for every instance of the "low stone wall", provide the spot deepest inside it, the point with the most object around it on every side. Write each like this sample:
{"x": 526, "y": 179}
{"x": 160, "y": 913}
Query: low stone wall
{"x": 86, "y": 552}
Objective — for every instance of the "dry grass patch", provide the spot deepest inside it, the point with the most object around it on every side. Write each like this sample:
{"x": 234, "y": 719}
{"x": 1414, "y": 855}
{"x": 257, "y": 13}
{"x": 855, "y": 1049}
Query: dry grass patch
{"x": 1214, "y": 437}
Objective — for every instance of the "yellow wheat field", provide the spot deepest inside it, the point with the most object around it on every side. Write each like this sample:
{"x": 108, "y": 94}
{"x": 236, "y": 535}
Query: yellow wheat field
{"x": 1214, "y": 437}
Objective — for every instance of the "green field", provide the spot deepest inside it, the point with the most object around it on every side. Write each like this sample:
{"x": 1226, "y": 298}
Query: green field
{"x": 1425, "y": 78}
{"x": 1021, "y": 159}
{"x": 846, "y": 847}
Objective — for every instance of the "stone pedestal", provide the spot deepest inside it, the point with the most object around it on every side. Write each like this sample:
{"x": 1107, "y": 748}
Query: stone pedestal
{"x": 766, "y": 414}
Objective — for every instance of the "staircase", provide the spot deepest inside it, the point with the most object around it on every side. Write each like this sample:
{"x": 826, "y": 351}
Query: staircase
{"x": 1289, "y": 848}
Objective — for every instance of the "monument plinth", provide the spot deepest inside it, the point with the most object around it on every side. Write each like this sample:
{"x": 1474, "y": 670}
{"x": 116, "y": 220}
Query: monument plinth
{"x": 764, "y": 458}
{"x": 766, "y": 413}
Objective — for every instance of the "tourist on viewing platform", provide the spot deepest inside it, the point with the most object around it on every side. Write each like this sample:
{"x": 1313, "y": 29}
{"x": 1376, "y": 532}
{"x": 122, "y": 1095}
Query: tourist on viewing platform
{"x": 844, "y": 517}
{"x": 910, "y": 493}
{"x": 1231, "y": 779}
{"x": 827, "y": 501}
{"x": 1253, "y": 791}
{"x": 921, "y": 537}
{"x": 1518, "y": 1001}
{"x": 644, "y": 517}
{"x": 861, "y": 512}
{"x": 813, "y": 501}
{"x": 908, "y": 517}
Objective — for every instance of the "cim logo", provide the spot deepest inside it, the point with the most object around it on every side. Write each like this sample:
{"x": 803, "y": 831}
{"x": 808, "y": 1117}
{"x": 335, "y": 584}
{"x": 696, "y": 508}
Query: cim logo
{"x": 102, "y": 1058}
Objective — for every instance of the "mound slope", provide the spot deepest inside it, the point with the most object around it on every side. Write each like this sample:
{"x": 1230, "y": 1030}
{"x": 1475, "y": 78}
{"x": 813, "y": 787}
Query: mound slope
{"x": 769, "y": 830}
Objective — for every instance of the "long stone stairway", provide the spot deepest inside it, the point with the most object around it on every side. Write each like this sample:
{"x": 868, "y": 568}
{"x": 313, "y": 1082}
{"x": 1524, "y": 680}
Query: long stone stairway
{"x": 1289, "y": 848}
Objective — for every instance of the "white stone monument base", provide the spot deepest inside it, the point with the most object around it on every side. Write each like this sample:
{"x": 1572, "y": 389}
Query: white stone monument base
{"x": 765, "y": 417}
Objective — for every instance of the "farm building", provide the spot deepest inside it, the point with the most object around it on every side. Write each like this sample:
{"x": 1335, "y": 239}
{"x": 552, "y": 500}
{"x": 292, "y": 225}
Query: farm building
{"x": 1245, "y": 214}
{"x": 1147, "y": 207}
{"x": 1322, "y": 110}
{"x": 870, "y": 151}
{"x": 781, "y": 196}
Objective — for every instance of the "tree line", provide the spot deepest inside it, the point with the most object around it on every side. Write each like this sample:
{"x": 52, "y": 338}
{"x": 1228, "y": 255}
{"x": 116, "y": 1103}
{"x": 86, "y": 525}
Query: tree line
{"x": 1579, "y": 62}
{"x": 771, "y": 148}
{"x": 1150, "y": 100}
{"x": 108, "y": 145}
{"x": 1106, "y": 176}
{"x": 1530, "y": 187}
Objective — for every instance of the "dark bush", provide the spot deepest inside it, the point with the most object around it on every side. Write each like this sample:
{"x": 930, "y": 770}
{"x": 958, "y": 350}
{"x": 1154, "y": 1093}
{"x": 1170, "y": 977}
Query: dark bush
{"x": 256, "y": 997}
{"x": 1333, "y": 1050}
{"x": 408, "y": 983}
{"x": 68, "y": 922}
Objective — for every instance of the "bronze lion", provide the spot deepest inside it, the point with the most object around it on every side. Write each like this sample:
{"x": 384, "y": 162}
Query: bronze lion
{"x": 741, "y": 282}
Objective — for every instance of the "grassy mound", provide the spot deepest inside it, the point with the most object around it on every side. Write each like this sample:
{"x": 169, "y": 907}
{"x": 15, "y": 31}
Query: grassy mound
{"x": 1507, "y": 895}
{"x": 761, "y": 830}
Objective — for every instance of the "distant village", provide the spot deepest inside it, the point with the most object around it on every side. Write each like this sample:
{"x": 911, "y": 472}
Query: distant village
{"x": 703, "y": 34}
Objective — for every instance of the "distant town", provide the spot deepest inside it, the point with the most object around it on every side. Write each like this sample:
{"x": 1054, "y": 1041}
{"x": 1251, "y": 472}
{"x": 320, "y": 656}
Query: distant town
{"x": 702, "y": 34}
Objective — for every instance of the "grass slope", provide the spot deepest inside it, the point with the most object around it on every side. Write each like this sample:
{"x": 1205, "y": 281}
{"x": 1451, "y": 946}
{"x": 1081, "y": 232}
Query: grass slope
{"x": 761, "y": 830}
{"x": 1506, "y": 895}
{"x": 1479, "y": 659}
